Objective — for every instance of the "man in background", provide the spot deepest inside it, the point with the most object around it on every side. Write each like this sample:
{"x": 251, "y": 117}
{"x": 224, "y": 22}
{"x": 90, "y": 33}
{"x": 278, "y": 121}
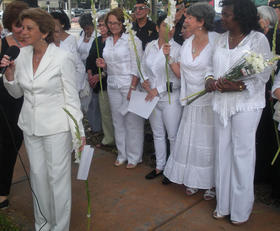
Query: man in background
{"x": 144, "y": 27}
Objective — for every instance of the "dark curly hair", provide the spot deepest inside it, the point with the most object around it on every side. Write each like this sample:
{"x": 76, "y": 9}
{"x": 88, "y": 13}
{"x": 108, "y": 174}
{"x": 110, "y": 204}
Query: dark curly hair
{"x": 245, "y": 14}
{"x": 62, "y": 18}
{"x": 12, "y": 12}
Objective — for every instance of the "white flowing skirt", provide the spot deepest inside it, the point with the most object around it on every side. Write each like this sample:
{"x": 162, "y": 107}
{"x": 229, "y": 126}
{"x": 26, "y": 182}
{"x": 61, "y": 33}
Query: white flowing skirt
{"x": 192, "y": 162}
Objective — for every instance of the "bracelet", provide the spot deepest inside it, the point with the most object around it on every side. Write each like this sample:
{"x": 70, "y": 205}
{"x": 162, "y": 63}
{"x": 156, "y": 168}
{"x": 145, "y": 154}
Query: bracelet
{"x": 209, "y": 77}
{"x": 171, "y": 60}
{"x": 132, "y": 87}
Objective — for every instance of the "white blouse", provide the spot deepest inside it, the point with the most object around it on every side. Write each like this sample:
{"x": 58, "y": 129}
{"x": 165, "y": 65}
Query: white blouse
{"x": 153, "y": 66}
{"x": 121, "y": 60}
{"x": 83, "y": 48}
{"x": 193, "y": 71}
{"x": 253, "y": 97}
{"x": 70, "y": 44}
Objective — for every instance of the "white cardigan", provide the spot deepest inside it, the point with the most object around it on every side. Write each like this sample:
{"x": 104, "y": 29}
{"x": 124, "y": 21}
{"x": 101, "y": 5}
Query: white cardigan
{"x": 46, "y": 93}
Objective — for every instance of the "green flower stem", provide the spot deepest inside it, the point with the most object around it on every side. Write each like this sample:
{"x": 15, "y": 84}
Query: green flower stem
{"x": 166, "y": 56}
{"x": 275, "y": 157}
{"x": 78, "y": 136}
{"x": 136, "y": 54}
{"x": 88, "y": 206}
{"x": 127, "y": 16}
{"x": 271, "y": 103}
{"x": 195, "y": 94}
{"x": 97, "y": 47}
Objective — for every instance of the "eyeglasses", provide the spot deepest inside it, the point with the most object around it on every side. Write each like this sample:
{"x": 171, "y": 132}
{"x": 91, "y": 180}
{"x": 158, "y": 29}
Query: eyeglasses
{"x": 113, "y": 23}
{"x": 140, "y": 8}
{"x": 101, "y": 25}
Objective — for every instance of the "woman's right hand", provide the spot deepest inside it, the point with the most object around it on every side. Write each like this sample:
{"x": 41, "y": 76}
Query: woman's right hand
{"x": 210, "y": 85}
{"x": 6, "y": 62}
{"x": 100, "y": 62}
{"x": 93, "y": 80}
{"x": 151, "y": 94}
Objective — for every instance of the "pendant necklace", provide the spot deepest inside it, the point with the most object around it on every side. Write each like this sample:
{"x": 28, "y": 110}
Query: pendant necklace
{"x": 17, "y": 42}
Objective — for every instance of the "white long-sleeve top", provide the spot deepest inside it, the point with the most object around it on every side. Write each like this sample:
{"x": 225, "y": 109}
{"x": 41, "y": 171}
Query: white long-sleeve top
{"x": 253, "y": 97}
{"x": 70, "y": 44}
{"x": 153, "y": 66}
{"x": 193, "y": 71}
{"x": 46, "y": 92}
{"x": 121, "y": 60}
{"x": 83, "y": 47}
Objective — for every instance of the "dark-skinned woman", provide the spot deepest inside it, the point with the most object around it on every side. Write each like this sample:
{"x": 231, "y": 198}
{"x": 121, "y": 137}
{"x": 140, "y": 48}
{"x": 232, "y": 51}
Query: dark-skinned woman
{"x": 237, "y": 110}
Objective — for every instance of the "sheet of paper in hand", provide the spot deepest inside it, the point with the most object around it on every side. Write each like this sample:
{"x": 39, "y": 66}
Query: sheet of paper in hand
{"x": 139, "y": 106}
{"x": 85, "y": 162}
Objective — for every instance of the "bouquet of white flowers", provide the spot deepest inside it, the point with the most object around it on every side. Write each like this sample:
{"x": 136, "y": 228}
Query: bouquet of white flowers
{"x": 245, "y": 68}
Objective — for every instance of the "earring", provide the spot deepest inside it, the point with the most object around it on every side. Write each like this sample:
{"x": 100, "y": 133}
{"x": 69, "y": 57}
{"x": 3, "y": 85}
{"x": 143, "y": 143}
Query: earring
{"x": 200, "y": 28}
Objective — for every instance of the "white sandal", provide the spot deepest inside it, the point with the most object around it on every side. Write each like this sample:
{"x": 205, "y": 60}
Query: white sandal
{"x": 191, "y": 191}
{"x": 216, "y": 215}
{"x": 209, "y": 194}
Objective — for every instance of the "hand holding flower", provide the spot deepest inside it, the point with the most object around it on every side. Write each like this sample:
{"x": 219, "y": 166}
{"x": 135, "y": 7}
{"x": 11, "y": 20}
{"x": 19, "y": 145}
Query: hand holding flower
{"x": 225, "y": 85}
{"x": 100, "y": 62}
{"x": 146, "y": 85}
{"x": 166, "y": 49}
{"x": 210, "y": 85}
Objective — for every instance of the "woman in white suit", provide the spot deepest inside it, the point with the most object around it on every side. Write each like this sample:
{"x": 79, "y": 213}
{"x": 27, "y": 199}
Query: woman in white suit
{"x": 45, "y": 75}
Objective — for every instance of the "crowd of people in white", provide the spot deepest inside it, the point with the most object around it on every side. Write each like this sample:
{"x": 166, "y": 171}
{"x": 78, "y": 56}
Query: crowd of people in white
{"x": 212, "y": 140}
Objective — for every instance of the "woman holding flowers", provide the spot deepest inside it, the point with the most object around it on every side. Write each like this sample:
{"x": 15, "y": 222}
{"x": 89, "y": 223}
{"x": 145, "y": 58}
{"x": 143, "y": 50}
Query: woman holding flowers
{"x": 238, "y": 107}
{"x": 119, "y": 60}
{"x": 165, "y": 116}
{"x": 45, "y": 76}
{"x": 192, "y": 162}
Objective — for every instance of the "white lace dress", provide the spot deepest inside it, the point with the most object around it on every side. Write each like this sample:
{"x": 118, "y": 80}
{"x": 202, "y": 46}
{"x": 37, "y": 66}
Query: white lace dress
{"x": 192, "y": 161}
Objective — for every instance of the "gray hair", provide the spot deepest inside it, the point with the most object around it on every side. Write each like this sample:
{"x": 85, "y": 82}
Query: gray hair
{"x": 268, "y": 13}
{"x": 203, "y": 11}
{"x": 86, "y": 20}
{"x": 101, "y": 18}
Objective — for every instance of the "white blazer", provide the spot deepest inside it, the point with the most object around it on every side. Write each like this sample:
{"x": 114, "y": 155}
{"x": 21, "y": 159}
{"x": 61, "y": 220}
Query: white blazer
{"x": 47, "y": 92}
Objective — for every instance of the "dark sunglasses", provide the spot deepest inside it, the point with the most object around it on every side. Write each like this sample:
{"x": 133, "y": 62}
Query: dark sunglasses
{"x": 140, "y": 8}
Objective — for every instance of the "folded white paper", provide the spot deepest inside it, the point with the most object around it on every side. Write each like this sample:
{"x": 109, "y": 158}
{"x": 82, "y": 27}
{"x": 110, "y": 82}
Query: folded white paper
{"x": 123, "y": 108}
{"x": 140, "y": 106}
{"x": 85, "y": 162}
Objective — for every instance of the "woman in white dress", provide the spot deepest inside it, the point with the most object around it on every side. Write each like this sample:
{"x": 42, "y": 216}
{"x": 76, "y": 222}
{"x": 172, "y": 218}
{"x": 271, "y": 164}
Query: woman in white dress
{"x": 165, "y": 116}
{"x": 237, "y": 110}
{"x": 119, "y": 61}
{"x": 192, "y": 162}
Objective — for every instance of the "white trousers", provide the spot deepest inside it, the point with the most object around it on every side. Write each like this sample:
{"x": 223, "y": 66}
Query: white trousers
{"x": 50, "y": 173}
{"x": 128, "y": 128}
{"x": 165, "y": 117}
{"x": 235, "y": 164}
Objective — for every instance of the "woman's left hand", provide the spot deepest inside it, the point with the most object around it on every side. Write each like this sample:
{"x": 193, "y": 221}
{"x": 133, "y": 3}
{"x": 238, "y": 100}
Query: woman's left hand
{"x": 83, "y": 143}
{"x": 225, "y": 85}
